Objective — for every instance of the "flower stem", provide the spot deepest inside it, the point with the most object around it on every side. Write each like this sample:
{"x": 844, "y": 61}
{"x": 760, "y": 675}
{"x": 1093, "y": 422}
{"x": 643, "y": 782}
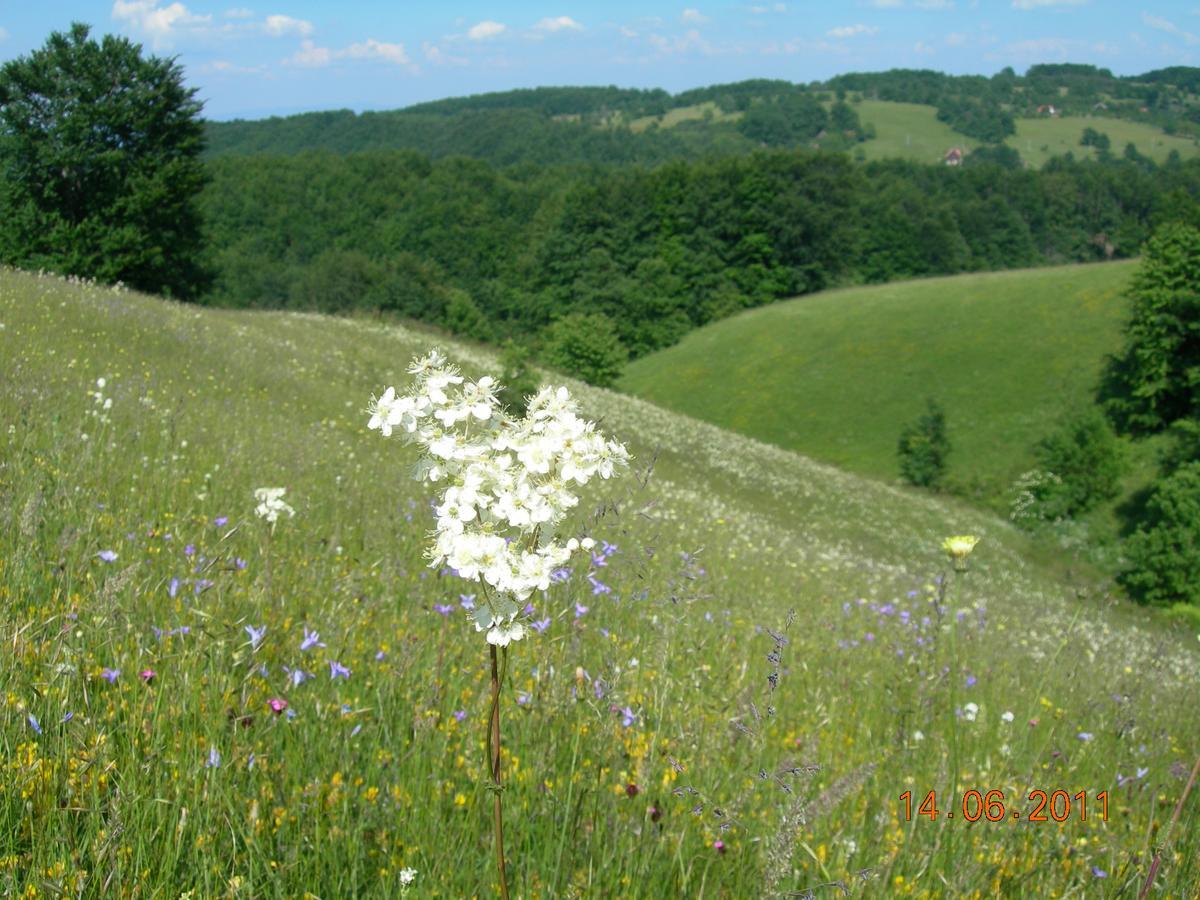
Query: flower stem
{"x": 494, "y": 755}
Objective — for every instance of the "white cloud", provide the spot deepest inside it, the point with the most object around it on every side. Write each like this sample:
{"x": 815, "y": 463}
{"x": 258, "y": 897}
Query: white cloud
{"x": 690, "y": 40}
{"x": 280, "y": 26}
{"x": 3, "y": 35}
{"x": 917, "y": 4}
{"x": 373, "y": 49}
{"x": 922, "y": 49}
{"x": 238, "y": 12}
{"x": 846, "y": 31}
{"x": 310, "y": 55}
{"x": 693, "y": 17}
{"x": 777, "y": 7}
{"x": 439, "y": 57}
{"x": 627, "y": 32}
{"x": 1040, "y": 4}
{"x": 1042, "y": 49}
{"x": 955, "y": 39}
{"x": 560, "y": 23}
{"x": 161, "y": 23}
{"x": 225, "y": 67}
{"x": 1161, "y": 24}
{"x": 485, "y": 30}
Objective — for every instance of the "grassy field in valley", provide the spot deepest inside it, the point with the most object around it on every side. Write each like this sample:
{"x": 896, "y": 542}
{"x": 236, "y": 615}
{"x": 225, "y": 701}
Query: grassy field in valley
{"x": 837, "y": 375}
{"x": 730, "y": 701}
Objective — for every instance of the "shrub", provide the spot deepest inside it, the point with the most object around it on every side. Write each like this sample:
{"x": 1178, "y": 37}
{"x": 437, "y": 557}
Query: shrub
{"x": 585, "y": 345}
{"x": 1034, "y": 502}
{"x": 923, "y": 448}
{"x": 1164, "y": 554}
{"x": 519, "y": 382}
{"x": 1088, "y": 460}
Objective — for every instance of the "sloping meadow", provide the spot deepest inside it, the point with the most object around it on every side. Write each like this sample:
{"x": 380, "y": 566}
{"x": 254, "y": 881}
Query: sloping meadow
{"x": 731, "y": 697}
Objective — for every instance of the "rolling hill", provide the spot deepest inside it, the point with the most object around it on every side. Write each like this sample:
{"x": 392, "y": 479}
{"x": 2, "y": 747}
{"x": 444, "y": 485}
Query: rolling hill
{"x": 837, "y": 375}
{"x": 728, "y": 699}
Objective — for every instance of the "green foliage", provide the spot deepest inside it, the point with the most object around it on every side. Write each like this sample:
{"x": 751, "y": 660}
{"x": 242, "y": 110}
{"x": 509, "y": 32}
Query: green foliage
{"x": 785, "y": 121}
{"x": 1087, "y": 459}
{"x": 1164, "y": 553}
{"x": 1093, "y": 138}
{"x": 519, "y": 381}
{"x": 977, "y": 118}
{"x": 100, "y": 148}
{"x": 923, "y": 448}
{"x": 464, "y": 317}
{"x": 585, "y": 345}
{"x": 1155, "y": 380}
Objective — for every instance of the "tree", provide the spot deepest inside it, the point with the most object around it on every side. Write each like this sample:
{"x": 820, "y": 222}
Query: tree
{"x": 1088, "y": 460}
{"x": 585, "y": 345}
{"x": 1155, "y": 380}
{"x": 100, "y": 158}
{"x": 923, "y": 448}
{"x": 1164, "y": 554}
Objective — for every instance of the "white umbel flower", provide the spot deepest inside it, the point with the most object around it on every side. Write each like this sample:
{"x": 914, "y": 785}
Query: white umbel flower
{"x": 506, "y": 483}
{"x": 271, "y": 505}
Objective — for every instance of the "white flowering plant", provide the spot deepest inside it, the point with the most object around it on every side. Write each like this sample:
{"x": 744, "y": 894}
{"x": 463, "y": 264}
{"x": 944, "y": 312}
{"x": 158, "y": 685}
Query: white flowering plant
{"x": 506, "y": 484}
{"x": 271, "y": 504}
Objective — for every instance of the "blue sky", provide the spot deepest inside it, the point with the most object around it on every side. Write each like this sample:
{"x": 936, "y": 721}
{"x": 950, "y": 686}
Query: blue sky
{"x": 250, "y": 59}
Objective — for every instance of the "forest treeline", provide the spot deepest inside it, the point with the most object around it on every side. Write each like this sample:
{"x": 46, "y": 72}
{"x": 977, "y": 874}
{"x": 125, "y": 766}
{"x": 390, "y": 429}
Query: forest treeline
{"x": 561, "y": 125}
{"x": 493, "y": 253}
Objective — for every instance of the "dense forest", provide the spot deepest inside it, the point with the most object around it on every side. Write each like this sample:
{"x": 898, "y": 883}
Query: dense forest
{"x": 494, "y": 252}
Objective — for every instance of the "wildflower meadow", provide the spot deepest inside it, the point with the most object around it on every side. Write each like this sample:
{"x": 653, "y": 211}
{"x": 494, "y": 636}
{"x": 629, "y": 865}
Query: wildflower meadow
{"x": 247, "y": 654}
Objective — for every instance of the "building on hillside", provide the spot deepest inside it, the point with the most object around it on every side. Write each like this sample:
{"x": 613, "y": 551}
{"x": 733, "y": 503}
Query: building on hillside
{"x": 953, "y": 157}
{"x": 1047, "y": 109}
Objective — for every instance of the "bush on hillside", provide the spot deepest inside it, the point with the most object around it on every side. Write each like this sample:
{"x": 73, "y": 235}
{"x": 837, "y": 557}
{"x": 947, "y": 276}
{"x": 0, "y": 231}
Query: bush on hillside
{"x": 923, "y": 448}
{"x": 1088, "y": 461}
{"x": 585, "y": 345}
{"x": 1164, "y": 554}
{"x": 519, "y": 381}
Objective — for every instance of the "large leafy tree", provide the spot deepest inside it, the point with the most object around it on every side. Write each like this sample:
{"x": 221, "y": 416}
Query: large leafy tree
{"x": 99, "y": 164}
{"x": 1155, "y": 381}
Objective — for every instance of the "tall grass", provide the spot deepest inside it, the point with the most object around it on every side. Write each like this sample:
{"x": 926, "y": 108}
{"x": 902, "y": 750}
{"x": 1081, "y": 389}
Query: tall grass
{"x": 731, "y": 705}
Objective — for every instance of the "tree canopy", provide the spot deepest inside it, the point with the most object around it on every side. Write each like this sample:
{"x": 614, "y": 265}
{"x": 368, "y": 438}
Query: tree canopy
{"x": 100, "y": 154}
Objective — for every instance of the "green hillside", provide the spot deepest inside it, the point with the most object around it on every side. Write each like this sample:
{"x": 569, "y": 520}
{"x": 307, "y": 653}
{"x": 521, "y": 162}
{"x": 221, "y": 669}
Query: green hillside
{"x": 837, "y": 375}
{"x": 908, "y": 131}
{"x": 1038, "y": 140}
{"x": 659, "y": 740}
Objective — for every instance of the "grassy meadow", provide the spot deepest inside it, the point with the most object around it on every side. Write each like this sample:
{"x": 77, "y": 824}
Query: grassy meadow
{"x": 1037, "y": 140}
{"x": 729, "y": 701}
{"x": 837, "y": 375}
{"x": 908, "y": 131}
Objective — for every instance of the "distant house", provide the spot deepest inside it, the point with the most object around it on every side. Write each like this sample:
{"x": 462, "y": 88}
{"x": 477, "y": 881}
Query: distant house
{"x": 953, "y": 157}
{"x": 1047, "y": 109}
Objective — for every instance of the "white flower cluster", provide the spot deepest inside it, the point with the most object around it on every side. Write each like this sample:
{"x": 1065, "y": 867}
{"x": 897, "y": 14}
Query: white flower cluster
{"x": 101, "y": 403}
{"x": 270, "y": 504}
{"x": 501, "y": 475}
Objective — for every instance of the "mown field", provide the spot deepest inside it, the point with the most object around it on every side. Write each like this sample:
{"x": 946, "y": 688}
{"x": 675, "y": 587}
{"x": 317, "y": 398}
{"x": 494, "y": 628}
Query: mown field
{"x": 730, "y": 701}
{"x": 837, "y": 375}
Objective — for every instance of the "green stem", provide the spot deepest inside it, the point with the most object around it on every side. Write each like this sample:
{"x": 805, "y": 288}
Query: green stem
{"x": 494, "y": 754}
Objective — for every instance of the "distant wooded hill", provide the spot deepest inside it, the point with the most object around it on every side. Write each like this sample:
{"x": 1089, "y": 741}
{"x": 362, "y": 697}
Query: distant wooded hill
{"x": 617, "y": 125}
